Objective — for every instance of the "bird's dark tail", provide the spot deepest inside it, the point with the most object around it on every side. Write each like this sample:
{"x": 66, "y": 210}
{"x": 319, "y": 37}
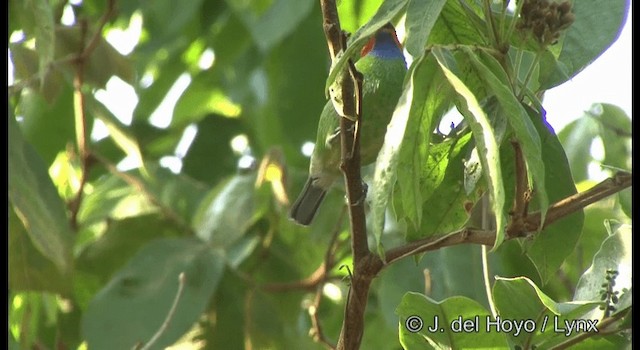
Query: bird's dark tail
{"x": 307, "y": 204}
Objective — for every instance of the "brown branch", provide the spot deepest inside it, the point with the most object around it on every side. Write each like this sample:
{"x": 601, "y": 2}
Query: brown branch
{"x": 316, "y": 326}
{"x": 95, "y": 38}
{"x": 571, "y": 204}
{"x": 365, "y": 263}
{"x": 519, "y": 211}
{"x": 602, "y": 325}
{"x": 556, "y": 211}
{"x": 465, "y": 235}
{"x": 140, "y": 186}
{"x": 79, "y": 105}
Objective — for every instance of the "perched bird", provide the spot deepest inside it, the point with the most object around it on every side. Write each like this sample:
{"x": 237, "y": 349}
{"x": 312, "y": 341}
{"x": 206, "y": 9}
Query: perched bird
{"x": 383, "y": 68}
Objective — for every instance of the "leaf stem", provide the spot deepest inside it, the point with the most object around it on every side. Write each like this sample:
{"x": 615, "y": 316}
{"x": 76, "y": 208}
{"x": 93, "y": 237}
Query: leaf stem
{"x": 487, "y": 280}
{"x": 170, "y": 314}
{"x": 532, "y": 68}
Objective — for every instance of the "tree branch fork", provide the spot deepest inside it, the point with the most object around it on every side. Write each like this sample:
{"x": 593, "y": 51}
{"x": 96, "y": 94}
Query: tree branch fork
{"x": 368, "y": 265}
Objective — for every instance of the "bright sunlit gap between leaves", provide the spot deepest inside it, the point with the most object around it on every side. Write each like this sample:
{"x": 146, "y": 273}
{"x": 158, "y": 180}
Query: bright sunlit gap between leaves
{"x": 607, "y": 80}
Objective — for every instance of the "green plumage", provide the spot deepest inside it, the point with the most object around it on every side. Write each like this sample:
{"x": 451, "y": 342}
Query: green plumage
{"x": 383, "y": 70}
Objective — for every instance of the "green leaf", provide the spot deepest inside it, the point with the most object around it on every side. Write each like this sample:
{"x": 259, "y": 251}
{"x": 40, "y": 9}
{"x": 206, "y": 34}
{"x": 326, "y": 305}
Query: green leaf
{"x": 519, "y": 301}
{"x": 615, "y": 132}
{"x": 199, "y": 100}
{"x": 47, "y": 127}
{"x": 177, "y": 192}
{"x": 118, "y": 131}
{"x": 457, "y": 24}
{"x": 431, "y": 99}
{"x": 284, "y": 101}
{"x": 614, "y": 254}
{"x": 596, "y": 27}
{"x": 525, "y": 132}
{"x": 132, "y": 307}
{"x": 387, "y": 161}
{"x": 112, "y": 198}
{"x": 451, "y": 315}
{"x": 226, "y": 212}
{"x": 166, "y": 19}
{"x": 165, "y": 75}
{"x": 26, "y": 68}
{"x": 36, "y": 201}
{"x": 443, "y": 209}
{"x": 421, "y": 17}
{"x": 29, "y": 269}
{"x": 483, "y": 135}
{"x": 212, "y": 145}
{"x": 273, "y": 24}
{"x": 387, "y": 11}
{"x": 625, "y": 199}
{"x": 577, "y": 138}
{"x": 120, "y": 242}
{"x": 44, "y": 33}
{"x": 551, "y": 246}
{"x": 103, "y": 63}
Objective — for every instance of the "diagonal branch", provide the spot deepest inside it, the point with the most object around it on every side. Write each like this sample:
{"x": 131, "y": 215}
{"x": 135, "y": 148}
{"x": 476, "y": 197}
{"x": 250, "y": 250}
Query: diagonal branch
{"x": 557, "y": 211}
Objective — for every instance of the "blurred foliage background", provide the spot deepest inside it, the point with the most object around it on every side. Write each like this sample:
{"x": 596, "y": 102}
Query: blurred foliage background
{"x": 175, "y": 141}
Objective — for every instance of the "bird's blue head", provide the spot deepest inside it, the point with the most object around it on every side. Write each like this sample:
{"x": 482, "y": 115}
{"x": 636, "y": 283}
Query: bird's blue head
{"x": 384, "y": 44}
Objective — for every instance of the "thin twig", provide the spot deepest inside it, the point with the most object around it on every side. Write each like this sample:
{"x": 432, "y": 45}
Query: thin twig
{"x": 82, "y": 132}
{"x": 571, "y": 204}
{"x": 316, "y": 326}
{"x": 556, "y": 211}
{"x": 142, "y": 188}
{"x": 329, "y": 261}
{"x": 602, "y": 325}
{"x": 170, "y": 314}
{"x": 520, "y": 198}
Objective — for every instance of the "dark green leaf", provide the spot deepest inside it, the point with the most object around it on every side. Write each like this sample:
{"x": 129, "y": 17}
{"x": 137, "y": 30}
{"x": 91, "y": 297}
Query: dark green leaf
{"x": 103, "y": 63}
{"x": 150, "y": 97}
{"x": 29, "y": 270}
{"x": 421, "y": 17}
{"x": 121, "y": 241}
{"x": 430, "y": 100}
{"x": 596, "y": 27}
{"x": 615, "y": 132}
{"x": 483, "y": 134}
{"x": 210, "y": 156}
{"x": 519, "y": 301}
{"x": 450, "y": 315}
{"x": 36, "y": 201}
{"x": 132, "y": 307}
{"x": 45, "y": 34}
{"x": 443, "y": 209}
{"x": 49, "y": 128}
{"x": 225, "y": 214}
{"x": 577, "y": 138}
{"x": 525, "y": 132}
{"x": 454, "y": 26}
{"x": 273, "y": 24}
{"x": 614, "y": 253}
{"x": 551, "y": 246}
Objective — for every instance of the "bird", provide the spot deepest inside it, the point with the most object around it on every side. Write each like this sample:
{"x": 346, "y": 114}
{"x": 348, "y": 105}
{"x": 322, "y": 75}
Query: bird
{"x": 383, "y": 68}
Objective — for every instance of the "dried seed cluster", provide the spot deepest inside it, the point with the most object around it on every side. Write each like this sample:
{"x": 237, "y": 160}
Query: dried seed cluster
{"x": 545, "y": 19}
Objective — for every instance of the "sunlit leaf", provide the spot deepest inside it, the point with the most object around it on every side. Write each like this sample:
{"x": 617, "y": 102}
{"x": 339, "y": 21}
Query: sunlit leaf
{"x": 461, "y": 324}
{"x": 483, "y": 135}
{"x": 36, "y": 201}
